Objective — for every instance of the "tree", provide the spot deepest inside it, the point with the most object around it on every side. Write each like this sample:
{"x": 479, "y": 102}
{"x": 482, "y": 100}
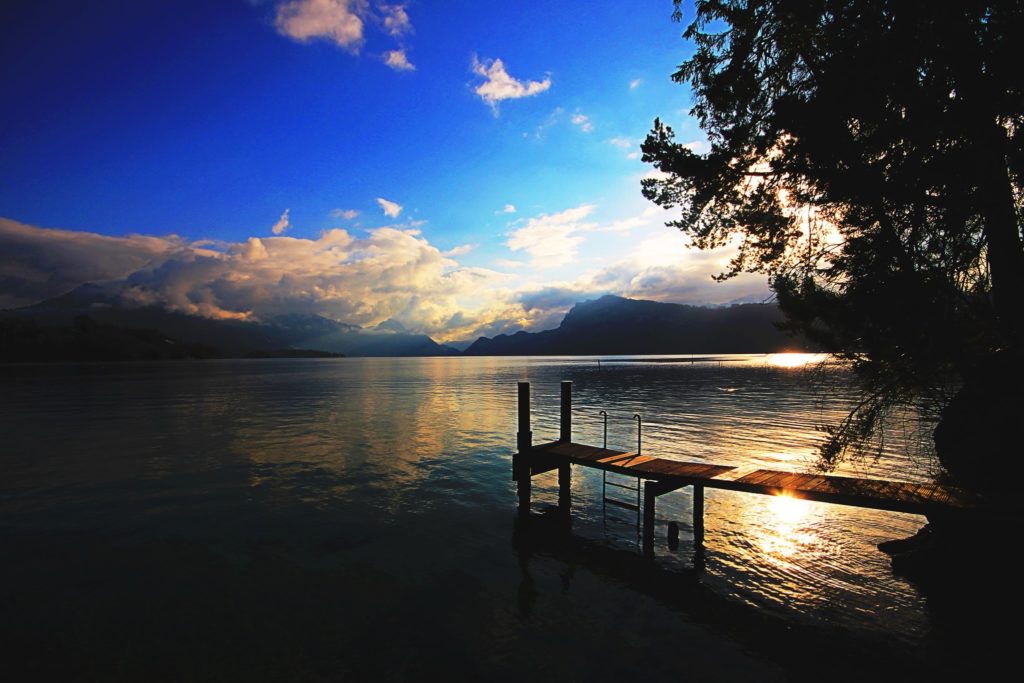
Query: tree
{"x": 868, "y": 156}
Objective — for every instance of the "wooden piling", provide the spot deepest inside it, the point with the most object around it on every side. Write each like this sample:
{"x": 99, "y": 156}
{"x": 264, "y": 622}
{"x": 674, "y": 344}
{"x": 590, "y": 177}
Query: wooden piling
{"x": 650, "y": 495}
{"x": 565, "y": 436}
{"x": 521, "y": 461}
{"x": 698, "y": 515}
{"x": 565, "y": 433}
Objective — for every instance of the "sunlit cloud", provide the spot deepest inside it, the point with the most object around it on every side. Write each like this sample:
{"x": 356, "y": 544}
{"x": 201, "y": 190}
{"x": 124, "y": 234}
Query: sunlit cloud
{"x": 391, "y": 209}
{"x": 398, "y": 60}
{"x": 508, "y": 208}
{"x": 582, "y": 122}
{"x": 335, "y": 20}
{"x": 347, "y": 214}
{"x": 552, "y": 240}
{"x": 396, "y": 20}
{"x": 40, "y": 263}
{"x": 635, "y": 83}
{"x": 498, "y": 85}
{"x": 697, "y": 146}
{"x": 282, "y": 224}
{"x": 391, "y": 272}
{"x": 629, "y": 145}
{"x": 344, "y": 23}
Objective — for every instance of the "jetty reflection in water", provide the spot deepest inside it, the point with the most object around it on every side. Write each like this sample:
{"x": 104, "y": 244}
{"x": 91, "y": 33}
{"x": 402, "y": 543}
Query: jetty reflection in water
{"x": 397, "y": 472}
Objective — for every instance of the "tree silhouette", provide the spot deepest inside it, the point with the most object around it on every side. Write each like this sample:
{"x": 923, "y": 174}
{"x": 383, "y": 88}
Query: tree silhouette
{"x": 868, "y": 157}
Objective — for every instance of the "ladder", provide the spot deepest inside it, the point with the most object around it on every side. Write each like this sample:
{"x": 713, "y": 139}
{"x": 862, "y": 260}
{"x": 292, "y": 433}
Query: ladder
{"x": 620, "y": 483}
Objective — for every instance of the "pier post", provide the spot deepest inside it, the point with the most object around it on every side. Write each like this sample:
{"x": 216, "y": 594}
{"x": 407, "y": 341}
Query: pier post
{"x": 524, "y": 442}
{"x": 565, "y": 436}
{"x": 565, "y": 433}
{"x": 650, "y": 495}
{"x": 698, "y": 515}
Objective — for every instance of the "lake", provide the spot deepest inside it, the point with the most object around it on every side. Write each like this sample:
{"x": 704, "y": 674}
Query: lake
{"x": 353, "y": 518}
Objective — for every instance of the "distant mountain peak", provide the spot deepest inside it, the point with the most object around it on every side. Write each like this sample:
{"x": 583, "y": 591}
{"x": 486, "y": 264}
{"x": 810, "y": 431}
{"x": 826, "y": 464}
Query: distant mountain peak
{"x": 616, "y": 325}
{"x": 391, "y": 325}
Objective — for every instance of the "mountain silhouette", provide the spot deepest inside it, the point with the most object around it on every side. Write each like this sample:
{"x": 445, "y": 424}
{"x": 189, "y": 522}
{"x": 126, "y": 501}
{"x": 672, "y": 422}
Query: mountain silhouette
{"x": 613, "y": 325}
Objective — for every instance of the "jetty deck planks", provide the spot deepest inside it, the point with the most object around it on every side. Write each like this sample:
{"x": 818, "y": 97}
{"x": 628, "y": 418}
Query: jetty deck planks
{"x": 860, "y": 492}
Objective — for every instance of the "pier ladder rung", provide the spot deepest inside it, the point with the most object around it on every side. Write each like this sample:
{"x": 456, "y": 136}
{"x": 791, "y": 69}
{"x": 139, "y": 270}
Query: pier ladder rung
{"x": 623, "y": 486}
{"x": 623, "y": 504}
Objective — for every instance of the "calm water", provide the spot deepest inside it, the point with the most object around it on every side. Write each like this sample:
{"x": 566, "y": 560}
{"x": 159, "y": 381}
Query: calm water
{"x": 320, "y": 519}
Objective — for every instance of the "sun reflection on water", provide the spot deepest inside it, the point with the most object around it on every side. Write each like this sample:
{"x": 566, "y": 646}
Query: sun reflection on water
{"x": 784, "y": 532}
{"x": 794, "y": 360}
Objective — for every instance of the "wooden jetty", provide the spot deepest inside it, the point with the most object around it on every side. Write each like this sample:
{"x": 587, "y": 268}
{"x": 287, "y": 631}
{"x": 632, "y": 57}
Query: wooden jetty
{"x": 663, "y": 475}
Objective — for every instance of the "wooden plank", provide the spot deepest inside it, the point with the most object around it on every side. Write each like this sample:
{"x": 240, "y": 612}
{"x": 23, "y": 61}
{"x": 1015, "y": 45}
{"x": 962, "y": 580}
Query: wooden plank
{"x": 672, "y": 474}
{"x": 757, "y": 477}
{"x": 634, "y": 461}
{"x": 612, "y": 459}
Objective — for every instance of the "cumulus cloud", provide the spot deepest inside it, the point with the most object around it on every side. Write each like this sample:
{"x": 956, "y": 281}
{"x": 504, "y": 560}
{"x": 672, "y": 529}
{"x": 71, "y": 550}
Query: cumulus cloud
{"x": 282, "y": 224}
{"x": 396, "y": 20}
{"x": 552, "y": 239}
{"x": 390, "y": 273}
{"x": 344, "y": 23}
{"x": 391, "y": 209}
{"x": 461, "y": 250}
{"x": 697, "y": 146}
{"x": 582, "y": 122}
{"x": 40, "y": 263}
{"x": 398, "y": 60}
{"x": 336, "y": 20}
{"x": 629, "y": 145}
{"x": 347, "y": 214}
{"x": 498, "y": 85}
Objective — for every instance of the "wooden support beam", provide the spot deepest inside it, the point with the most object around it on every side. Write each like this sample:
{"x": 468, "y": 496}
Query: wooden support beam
{"x": 565, "y": 487}
{"x": 565, "y": 431}
{"x": 698, "y": 515}
{"x": 521, "y": 463}
{"x": 650, "y": 496}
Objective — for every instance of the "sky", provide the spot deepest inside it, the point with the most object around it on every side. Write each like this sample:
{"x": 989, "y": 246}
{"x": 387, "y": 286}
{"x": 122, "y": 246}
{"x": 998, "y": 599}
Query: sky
{"x": 464, "y": 168}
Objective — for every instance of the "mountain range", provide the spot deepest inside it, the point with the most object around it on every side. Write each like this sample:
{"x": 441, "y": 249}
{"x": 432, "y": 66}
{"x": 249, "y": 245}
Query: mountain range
{"x": 613, "y": 325}
{"x": 608, "y": 325}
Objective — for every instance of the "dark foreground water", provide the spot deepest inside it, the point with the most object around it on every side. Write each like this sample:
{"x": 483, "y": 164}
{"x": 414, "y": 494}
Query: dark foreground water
{"x": 354, "y": 518}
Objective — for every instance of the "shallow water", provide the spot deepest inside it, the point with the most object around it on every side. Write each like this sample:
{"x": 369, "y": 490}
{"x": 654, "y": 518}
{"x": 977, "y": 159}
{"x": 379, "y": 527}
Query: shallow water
{"x": 288, "y": 517}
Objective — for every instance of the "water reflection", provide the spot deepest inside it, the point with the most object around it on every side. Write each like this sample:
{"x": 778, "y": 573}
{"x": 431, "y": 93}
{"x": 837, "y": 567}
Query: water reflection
{"x": 415, "y": 454}
{"x": 782, "y": 532}
{"x": 794, "y": 360}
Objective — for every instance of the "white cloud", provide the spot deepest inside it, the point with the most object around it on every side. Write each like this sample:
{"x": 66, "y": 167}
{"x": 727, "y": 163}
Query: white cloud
{"x": 635, "y": 83}
{"x": 460, "y": 250}
{"x": 499, "y": 85}
{"x": 391, "y": 209}
{"x": 629, "y": 145}
{"x": 390, "y": 273}
{"x": 508, "y": 208}
{"x": 336, "y": 20}
{"x": 697, "y": 146}
{"x": 582, "y": 122}
{"x": 396, "y": 20}
{"x": 551, "y": 240}
{"x": 508, "y": 263}
{"x": 282, "y": 223}
{"x": 347, "y": 214}
{"x": 398, "y": 61}
{"x": 40, "y": 263}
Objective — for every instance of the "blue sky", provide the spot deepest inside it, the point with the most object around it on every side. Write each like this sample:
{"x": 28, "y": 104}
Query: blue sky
{"x": 494, "y": 145}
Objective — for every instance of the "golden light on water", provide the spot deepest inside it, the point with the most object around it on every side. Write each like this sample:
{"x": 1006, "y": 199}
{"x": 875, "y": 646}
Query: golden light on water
{"x": 787, "y": 509}
{"x": 783, "y": 536}
{"x": 793, "y": 360}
